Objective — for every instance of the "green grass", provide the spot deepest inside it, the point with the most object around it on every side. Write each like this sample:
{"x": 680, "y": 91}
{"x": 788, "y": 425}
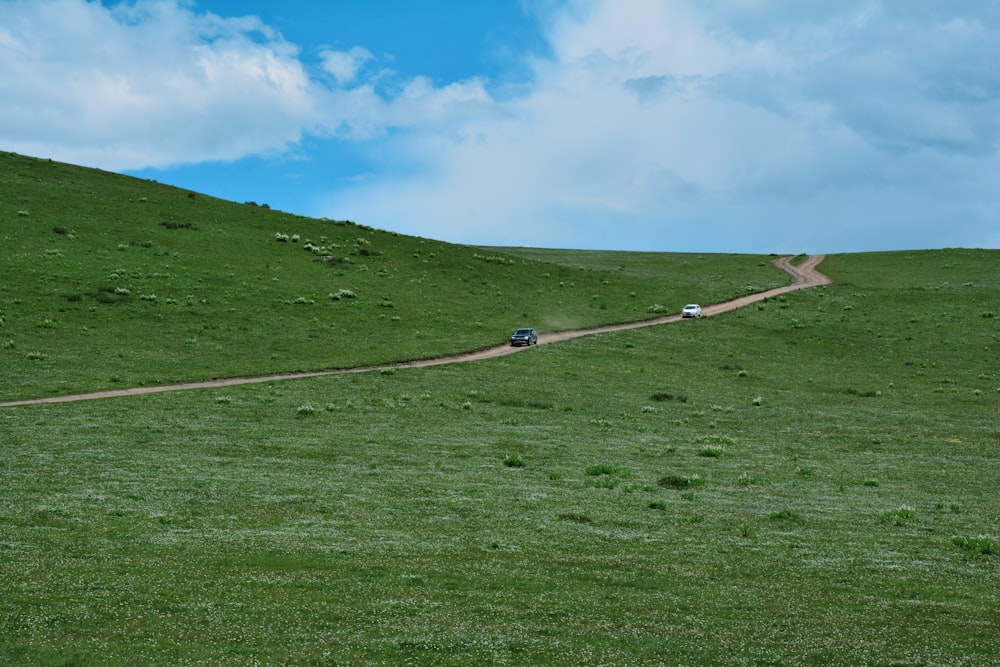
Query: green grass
{"x": 547, "y": 507}
{"x": 110, "y": 282}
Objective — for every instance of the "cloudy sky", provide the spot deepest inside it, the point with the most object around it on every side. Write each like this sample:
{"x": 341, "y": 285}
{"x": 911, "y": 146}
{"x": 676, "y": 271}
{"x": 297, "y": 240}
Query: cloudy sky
{"x": 673, "y": 125}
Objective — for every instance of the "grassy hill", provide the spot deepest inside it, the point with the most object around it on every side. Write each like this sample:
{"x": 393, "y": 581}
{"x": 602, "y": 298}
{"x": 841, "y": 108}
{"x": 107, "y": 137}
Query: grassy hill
{"x": 110, "y": 281}
{"x": 811, "y": 480}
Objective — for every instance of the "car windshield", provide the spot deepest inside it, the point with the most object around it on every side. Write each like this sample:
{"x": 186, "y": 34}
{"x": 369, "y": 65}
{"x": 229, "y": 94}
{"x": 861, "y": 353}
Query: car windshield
{"x": 691, "y": 307}
{"x": 523, "y": 332}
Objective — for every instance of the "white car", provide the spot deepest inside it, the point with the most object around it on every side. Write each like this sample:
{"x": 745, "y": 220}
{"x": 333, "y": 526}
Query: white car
{"x": 691, "y": 310}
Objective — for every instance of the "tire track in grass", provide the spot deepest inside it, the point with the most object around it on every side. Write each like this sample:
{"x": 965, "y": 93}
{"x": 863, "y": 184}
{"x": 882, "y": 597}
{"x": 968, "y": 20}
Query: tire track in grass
{"x": 803, "y": 276}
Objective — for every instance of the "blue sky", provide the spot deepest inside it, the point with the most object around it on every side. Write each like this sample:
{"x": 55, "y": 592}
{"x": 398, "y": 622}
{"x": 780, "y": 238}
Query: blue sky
{"x": 668, "y": 125}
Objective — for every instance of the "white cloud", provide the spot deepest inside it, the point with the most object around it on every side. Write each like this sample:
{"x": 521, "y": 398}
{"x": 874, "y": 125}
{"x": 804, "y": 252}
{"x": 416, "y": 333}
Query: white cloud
{"x": 752, "y": 125}
{"x": 345, "y": 65}
{"x": 149, "y": 84}
{"x": 154, "y": 84}
{"x": 660, "y": 123}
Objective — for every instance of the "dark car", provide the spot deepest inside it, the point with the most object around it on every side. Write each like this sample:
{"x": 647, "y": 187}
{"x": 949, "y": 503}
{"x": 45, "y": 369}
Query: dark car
{"x": 524, "y": 337}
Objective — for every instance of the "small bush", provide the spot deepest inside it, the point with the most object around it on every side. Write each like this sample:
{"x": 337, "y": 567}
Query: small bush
{"x": 575, "y": 517}
{"x": 668, "y": 396}
{"x": 711, "y": 451}
{"x": 59, "y": 229}
{"x": 522, "y": 403}
{"x": 602, "y": 469}
{"x": 514, "y": 461}
{"x": 305, "y": 410}
{"x": 899, "y": 517}
{"x": 715, "y": 439}
{"x": 494, "y": 259}
{"x": 333, "y": 261}
{"x": 977, "y": 546}
{"x": 680, "y": 482}
{"x": 657, "y": 505}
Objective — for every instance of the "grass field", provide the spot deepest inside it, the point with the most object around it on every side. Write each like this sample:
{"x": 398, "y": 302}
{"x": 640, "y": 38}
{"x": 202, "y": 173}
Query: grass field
{"x": 110, "y": 282}
{"x": 811, "y": 480}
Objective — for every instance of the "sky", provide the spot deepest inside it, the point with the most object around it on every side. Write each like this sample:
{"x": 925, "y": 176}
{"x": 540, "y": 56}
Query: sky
{"x": 744, "y": 126}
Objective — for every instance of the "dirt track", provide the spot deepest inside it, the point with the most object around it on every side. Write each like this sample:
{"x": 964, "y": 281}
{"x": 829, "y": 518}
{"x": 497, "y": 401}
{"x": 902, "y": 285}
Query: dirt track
{"x": 804, "y": 275}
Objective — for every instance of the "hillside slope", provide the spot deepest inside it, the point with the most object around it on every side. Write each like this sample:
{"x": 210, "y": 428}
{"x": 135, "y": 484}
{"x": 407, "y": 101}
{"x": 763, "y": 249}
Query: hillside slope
{"x": 111, "y": 281}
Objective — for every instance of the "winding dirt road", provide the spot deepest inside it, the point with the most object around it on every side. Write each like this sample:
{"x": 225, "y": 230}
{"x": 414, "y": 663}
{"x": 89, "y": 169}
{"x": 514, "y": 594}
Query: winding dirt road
{"x": 803, "y": 276}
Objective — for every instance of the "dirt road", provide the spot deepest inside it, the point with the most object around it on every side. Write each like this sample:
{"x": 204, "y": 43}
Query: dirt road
{"x": 803, "y": 275}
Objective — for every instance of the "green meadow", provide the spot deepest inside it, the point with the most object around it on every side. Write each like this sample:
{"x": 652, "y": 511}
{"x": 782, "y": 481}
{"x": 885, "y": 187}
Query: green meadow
{"x": 808, "y": 480}
{"x": 110, "y": 282}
